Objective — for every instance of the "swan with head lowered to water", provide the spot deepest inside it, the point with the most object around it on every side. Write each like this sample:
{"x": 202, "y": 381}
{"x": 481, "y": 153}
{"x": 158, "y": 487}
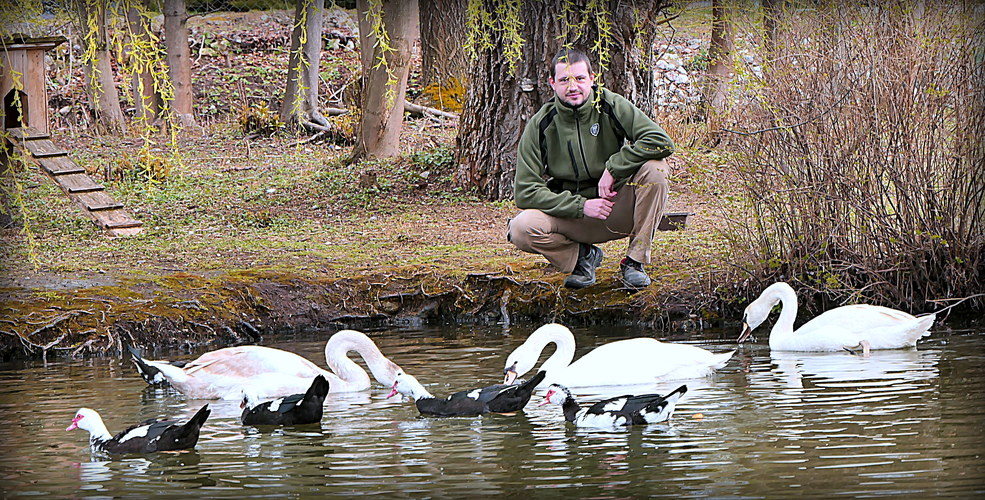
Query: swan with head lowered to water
{"x": 642, "y": 360}
{"x": 272, "y": 373}
{"x": 846, "y": 327}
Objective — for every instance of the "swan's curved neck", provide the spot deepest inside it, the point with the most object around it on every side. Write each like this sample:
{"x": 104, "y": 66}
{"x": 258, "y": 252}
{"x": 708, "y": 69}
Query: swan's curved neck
{"x": 564, "y": 341}
{"x": 788, "y": 311}
{"x": 336, "y": 355}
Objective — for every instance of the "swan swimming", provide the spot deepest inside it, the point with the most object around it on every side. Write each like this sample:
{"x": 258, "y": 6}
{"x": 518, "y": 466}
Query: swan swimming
{"x": 846, "y": 327}
{"x": 641, "y": 360}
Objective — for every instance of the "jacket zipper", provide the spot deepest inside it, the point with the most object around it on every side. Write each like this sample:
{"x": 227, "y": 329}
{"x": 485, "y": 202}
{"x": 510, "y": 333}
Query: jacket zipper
{"x": 581, "y": 147}
{"x": 574, "y": 166}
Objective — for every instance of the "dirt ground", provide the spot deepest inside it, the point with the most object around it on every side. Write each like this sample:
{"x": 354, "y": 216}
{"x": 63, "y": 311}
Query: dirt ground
{"x": 247, "y": 235}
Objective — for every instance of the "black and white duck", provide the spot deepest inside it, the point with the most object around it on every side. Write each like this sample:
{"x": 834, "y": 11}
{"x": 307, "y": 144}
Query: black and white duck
{"x": 617, "y": 411}
{"x": 499, "y": 398}
{"x": 297, "y": 409}
{"x": 146, "y": 437}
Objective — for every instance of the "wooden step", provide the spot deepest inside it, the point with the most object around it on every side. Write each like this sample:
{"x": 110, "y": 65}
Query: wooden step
{"x": 115, "y": 219}
{"x": 44, "y": 148}
{"x": 124, "y": 224}
{"x": 77, "y": 183}
{"x": 28, "y": 133}
{"x": 60, "y": 165}
{"x": 95, "y": 201}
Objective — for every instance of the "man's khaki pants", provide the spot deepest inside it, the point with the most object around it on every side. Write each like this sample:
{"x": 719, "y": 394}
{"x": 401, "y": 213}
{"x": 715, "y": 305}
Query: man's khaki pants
{"x": 635, "y": 214}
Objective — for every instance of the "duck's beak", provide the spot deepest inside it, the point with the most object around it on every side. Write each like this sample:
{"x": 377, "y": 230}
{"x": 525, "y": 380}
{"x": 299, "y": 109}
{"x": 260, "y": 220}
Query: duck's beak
{"x": 393, "y": 391}
{"x": 547, "y": 398}
{"x": 746, "y": 332}
{"x": 74, "y": 425}
{"x": 509, "y": 374}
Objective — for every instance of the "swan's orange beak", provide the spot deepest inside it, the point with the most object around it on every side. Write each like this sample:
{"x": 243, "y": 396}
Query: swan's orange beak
{"x": 393, "y": 392}
{"x": 746, "y": 332}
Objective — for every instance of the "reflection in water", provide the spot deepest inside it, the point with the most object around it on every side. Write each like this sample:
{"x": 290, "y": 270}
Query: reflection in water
{"x": 768, "y": 424}
{"x": 881, "y": 367}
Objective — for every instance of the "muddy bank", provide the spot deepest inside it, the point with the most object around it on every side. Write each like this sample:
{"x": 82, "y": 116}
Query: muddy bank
{"x": 85, "y": 318}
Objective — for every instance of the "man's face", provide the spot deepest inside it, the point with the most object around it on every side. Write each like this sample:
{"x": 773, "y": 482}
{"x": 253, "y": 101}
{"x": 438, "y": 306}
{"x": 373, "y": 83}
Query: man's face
{"x": 572, "y": 82}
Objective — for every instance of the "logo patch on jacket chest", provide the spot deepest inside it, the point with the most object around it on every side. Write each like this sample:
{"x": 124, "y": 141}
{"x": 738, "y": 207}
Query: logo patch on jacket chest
{"x": 594, "y": 130}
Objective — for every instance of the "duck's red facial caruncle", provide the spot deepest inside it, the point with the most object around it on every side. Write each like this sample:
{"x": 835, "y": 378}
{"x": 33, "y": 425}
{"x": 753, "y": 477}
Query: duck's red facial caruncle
{"x": 75, "y": 422}
{"x": 548, "y": 399}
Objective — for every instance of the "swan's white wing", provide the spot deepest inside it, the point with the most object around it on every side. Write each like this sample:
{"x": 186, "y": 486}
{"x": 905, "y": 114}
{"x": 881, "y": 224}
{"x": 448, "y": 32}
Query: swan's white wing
{"x": 252, "y": 361}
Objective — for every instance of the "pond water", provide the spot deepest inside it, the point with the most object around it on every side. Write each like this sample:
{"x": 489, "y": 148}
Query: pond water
{"x": 900, "y": 423}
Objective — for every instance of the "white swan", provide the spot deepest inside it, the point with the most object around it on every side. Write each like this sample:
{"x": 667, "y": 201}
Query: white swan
{"x": 640, "y": 360}
{"x": 273, "y": 373}
{"x": 846, "y": 327}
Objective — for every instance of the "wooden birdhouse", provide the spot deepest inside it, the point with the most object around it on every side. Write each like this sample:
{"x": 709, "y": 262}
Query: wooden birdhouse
{"x": 25, "y": 132}
{"x": 25, "y": 97}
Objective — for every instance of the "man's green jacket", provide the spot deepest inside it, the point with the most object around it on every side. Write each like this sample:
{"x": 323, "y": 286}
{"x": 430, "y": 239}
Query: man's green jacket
{"x": 564, "y": 150}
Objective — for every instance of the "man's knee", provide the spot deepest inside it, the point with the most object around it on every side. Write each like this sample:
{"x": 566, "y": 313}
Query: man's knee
{"x": 654, "y": 172}
{"x": 526, "y": 227}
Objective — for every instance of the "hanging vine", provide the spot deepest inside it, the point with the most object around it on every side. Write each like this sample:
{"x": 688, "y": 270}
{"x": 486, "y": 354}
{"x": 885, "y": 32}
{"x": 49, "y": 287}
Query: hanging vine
{"x": 374, "y": 15}
{"x": 14, "y": 12}
{"x": 486, "y": 18}
{"x": 10, "y": 16}
{"x": 301, "y": 25}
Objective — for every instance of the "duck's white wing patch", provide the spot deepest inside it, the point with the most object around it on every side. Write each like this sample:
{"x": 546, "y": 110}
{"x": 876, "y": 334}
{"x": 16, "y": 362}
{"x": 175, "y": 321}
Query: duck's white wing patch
{"x": 615, "y": 405}
{"x": 275, "y": 404}
{"x": 135, "y": 433}
{"x": 474, "y": 394}
{"x": 600, "y": 420}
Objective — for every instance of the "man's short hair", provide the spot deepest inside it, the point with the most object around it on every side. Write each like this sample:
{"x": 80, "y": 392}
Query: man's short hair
{"x": 570, "y": 56}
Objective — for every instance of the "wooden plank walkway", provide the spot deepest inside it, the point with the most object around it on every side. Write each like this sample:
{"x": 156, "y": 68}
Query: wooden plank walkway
{"x": 89, "y": 195}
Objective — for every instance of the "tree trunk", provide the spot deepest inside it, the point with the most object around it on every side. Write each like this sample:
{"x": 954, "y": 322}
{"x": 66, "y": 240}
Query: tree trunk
{"x": 179, "y": 62}
{"x": 720, "y": 59}
{"x": 98, "y": 69}
{"x": 443, "y": 60}
{"x": 630, "y": 71}
{"x": 386, "y": 84}
{"x": 367, "y": 38}
{"x": 146, "y": 99}
{"x": 499, "y": 102}
{"x": 772, "y": 10}
{"x": 301, "y": 95}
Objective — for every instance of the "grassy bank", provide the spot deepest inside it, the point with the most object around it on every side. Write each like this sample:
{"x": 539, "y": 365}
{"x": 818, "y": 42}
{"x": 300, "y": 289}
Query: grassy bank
{"x": 245, "y": 234}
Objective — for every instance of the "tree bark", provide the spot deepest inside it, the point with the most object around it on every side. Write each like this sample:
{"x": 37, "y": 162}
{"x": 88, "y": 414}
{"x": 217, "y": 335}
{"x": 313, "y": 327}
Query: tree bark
{"x": 179, "y": 62}
{"x": 98, "y": 69}
{"x": 146, "y": 98}
{"x": 630, "y": 71}
{"x": 301, "y": 95}
{"x": 443, "y": 59}
{"x": 383, "y": 90}
{"x": 499, "y": 103}
{"x": 720, "y": 58}
{"x": 772, "y": 10}
{"x": 367, "y": 39}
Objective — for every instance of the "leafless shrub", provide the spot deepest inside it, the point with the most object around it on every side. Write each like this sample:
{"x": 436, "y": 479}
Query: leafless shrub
{"x": 861, "y": 155}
